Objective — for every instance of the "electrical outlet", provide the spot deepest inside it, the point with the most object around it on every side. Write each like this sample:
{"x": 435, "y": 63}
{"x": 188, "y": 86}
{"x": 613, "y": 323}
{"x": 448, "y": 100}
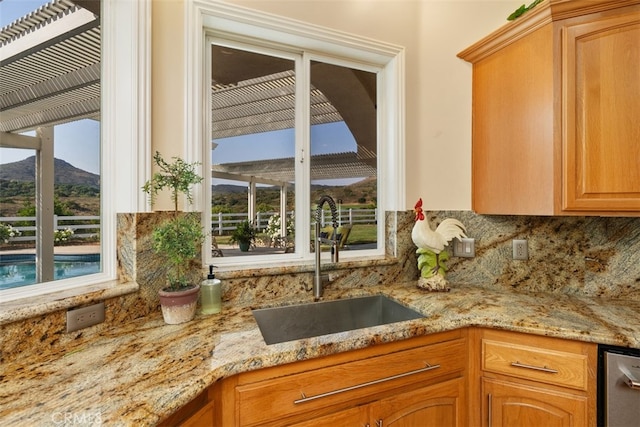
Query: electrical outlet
{"x": 85, "y": 316}
{"x": 465, "y": 247}
{"x": 520, "y": 250}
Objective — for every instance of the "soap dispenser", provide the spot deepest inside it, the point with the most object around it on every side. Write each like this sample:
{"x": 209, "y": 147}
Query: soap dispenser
{"x": 211, "y": 294}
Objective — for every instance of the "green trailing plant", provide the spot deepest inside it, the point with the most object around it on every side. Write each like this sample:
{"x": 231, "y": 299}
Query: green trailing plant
{"x": 177, "y": 240}
{"x": 522, "y": 10}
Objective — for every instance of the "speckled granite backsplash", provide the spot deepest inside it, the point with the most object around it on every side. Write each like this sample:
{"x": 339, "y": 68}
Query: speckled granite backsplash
{"x": 585, "y": 256}
{"x": 590, "y": 256}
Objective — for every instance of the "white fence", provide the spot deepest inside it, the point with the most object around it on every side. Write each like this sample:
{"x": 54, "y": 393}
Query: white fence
{"x": 89, "y": 226}
{"x": 222, "y": 222}
{"x": 82, "y": 226}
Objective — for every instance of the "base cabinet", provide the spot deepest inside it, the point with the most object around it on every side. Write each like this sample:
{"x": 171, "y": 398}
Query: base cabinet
{"x": 465, "y": 377}
{"x": 518, "y": 405}
{"x": 530, "y": 381}
{"x": 421, "y": 381}
{"x": 435, "y": 406}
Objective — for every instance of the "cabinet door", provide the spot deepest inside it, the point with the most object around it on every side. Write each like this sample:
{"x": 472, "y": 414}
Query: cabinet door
{"x": 511, "y": 404}
{"x": 601, "y": 86}
{"x": 440, "y": 405}
{"x": 204, "y": 417}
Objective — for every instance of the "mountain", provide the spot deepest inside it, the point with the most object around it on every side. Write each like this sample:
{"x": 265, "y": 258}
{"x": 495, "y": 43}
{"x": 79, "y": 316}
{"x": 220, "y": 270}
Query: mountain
{"x": 64, "y": 173}
{"x": 234, "y": 197}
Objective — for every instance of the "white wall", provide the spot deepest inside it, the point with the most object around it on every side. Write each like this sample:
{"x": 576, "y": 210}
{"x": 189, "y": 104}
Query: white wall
{"x": 438, "y": 98}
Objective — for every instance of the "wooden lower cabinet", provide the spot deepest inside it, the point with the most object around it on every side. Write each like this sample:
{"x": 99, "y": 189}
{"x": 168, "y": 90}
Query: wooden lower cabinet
{"x": 433, "y": 406}
{"x": 530, "y": 381}
{"x": 466, "y": 377}
{"x": 421, "y": 381}
{"x": 197, "y": 413}
{"x": 438, "y": 405}
{"x": 513, "y": 404}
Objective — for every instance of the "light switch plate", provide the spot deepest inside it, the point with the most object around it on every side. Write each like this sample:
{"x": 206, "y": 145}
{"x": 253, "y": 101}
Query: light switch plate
{"x": 465, "y": 247}
{"x": 520, "y": 249}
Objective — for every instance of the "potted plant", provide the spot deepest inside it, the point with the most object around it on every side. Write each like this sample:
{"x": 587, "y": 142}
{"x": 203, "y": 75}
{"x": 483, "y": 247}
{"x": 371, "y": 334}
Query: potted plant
{"x": 244, "y": 235}
{"x": 177, "y": 240}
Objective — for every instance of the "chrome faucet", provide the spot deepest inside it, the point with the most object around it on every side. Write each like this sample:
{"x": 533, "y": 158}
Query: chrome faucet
{"x": 317, "y": 282}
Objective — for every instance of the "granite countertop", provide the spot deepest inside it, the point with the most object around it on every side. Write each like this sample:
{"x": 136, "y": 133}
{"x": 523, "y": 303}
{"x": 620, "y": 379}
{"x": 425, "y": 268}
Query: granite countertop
{"x": 143, "y": 371}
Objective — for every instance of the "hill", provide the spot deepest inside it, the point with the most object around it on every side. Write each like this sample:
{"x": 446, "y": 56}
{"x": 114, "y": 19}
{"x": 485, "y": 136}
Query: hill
{"x": 233, "y": 198}
{"x": 64, "y": 173}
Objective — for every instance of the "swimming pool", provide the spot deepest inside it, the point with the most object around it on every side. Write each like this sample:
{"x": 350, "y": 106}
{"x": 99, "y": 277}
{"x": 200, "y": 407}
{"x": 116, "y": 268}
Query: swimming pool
{"x": 20, "y": 269}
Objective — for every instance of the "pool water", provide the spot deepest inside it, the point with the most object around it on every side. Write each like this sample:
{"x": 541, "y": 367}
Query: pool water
{"x": 20, "y": 270}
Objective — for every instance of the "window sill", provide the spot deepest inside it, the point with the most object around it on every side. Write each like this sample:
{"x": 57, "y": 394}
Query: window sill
{"x": 12, "y": 311}
{"x": 237, "y": 272}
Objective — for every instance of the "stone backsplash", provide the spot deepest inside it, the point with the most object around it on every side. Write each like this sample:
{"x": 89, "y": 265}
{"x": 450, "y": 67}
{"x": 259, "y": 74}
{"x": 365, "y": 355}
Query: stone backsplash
{"x": 585, "y": 256}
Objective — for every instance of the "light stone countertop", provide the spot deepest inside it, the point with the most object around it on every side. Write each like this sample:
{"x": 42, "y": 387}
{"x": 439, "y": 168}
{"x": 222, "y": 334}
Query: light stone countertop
{"x": 143, "y": 371}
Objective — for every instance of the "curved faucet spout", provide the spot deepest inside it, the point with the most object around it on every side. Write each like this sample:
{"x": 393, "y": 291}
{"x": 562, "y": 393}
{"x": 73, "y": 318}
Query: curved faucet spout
{"x": 317, "y": 280}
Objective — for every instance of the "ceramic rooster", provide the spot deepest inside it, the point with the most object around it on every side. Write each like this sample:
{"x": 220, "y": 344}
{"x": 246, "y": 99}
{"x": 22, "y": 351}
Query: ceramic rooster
{"x": 431, "y": 244}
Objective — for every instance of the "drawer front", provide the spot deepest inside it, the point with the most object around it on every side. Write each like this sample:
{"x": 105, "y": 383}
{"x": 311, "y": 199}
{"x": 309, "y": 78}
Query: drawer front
{"x": 299, "y": 393}
{"x": 535, "y": 363}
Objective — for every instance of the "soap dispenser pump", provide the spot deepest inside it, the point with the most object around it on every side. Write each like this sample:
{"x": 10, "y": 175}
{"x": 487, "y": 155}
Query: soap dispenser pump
{"x": 211, "y": 294}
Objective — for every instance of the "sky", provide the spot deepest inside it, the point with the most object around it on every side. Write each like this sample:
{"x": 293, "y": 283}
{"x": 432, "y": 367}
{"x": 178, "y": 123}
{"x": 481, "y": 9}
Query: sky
{"x": 77, "y": 143}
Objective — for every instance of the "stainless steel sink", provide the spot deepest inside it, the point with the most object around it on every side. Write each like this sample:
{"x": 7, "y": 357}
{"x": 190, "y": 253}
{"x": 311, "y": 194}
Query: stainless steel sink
{"x": 293, "y": 322}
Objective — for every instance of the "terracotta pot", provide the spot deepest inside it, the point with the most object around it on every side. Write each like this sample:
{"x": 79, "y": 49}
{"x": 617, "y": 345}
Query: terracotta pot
{"x": 179, "y": 306}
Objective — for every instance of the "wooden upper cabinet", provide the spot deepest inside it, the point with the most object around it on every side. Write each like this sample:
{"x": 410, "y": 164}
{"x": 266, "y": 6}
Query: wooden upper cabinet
{"x": 556, "y": 111}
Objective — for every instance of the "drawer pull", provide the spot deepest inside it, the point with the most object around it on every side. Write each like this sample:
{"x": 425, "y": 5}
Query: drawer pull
{"x": 535, "y": 368}
{"x": 304, "y": 398}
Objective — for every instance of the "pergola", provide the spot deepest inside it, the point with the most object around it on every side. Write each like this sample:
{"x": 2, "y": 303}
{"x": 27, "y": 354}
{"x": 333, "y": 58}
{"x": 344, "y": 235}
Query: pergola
{"x": 50, "y": 68}
{"x": 252, "y": 94}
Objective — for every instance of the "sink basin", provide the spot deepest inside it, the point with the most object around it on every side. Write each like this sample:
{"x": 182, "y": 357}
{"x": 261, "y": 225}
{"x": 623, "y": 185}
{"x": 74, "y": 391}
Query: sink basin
{"x": 293, "y": 322}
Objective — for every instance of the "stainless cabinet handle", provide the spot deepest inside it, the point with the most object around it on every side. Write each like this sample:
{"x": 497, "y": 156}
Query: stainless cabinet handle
{"x": 535, "y": 368}
{"x": 357, "y": 386}
{"x": 489, "y": 409}
{"x": 379, "y": 423}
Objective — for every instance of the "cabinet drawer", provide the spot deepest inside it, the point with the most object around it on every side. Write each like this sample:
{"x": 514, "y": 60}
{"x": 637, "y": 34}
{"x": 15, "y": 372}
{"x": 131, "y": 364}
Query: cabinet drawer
{"x": 319, "y": 388}
{"x": 535, "y": 363}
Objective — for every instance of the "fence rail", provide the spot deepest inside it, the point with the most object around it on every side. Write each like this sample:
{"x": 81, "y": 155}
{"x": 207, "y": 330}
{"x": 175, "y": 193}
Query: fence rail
{"x": 89, "y": 226}
{"x": 223, "y": 222}
{"x": 82, "y": 226}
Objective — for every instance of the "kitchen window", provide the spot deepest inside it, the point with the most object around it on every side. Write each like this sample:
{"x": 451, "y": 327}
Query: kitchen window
{"x": 289, "y": 123}
{"x": 123, "y": 104}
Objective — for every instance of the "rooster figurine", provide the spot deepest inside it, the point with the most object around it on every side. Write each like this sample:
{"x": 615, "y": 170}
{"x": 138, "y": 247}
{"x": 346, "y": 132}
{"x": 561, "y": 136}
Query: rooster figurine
{"x": 431, "y": 244}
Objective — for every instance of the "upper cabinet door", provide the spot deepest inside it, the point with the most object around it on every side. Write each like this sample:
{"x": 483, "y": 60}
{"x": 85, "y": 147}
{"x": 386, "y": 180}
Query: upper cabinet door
{"x": 601, "y": 89}
{"x": 556, "y": 112}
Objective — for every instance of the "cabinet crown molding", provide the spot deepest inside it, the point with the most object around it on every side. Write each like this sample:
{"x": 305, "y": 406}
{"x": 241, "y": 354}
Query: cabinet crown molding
{"x": 544, "y": 13}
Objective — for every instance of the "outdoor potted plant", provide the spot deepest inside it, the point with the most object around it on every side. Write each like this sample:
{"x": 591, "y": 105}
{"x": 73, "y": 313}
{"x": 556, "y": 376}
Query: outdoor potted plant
{"x": 244, "y": 235}
{"x": 178, "y": 240}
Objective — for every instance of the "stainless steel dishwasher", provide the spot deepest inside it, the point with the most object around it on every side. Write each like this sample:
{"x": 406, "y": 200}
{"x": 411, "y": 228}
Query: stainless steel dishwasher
{"x": 618, "y": 386}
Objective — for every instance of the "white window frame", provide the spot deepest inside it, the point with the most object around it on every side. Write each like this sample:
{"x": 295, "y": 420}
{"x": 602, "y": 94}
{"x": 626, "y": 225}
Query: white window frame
{"x": 204, "y": 18}
{"x": 125, "y": 144}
